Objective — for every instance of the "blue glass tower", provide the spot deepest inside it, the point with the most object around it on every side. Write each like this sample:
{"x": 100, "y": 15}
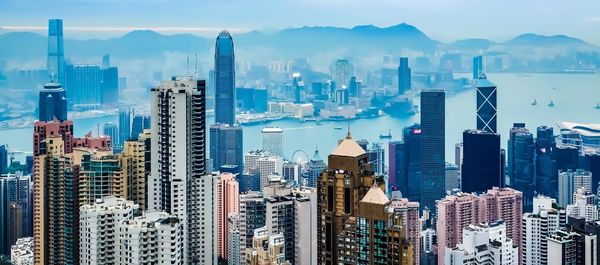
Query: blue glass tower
{"x": 482, "y": 167}
{"x": 404, "y": 76}
{"x": 405, "y": 163}
{"x": 477, "y": 66}
{"x": 545, "y": 162}
{"x": 53, "y": 103}
{"x": 224, "y": 79}
{"x": 56, "y": 52}
{"x": 433, "y": 162}
{"x": 521, "y": 163}
{"x": 486, "y": 105}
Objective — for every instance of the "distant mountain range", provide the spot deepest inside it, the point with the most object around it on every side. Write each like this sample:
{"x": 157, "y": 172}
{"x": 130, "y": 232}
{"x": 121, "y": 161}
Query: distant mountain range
{"x": 293, "y": 42}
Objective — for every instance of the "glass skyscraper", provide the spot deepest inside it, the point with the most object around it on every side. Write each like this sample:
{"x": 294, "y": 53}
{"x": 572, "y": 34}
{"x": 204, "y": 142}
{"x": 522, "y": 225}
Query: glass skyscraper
{"x": 53, "y": 103}
{"x": 404, "y": 78}
{"x": 405, "y": 164}
{"x": 226, "y": 146}
{"x": 477, "y": 66}
{"x": 520, "y": 163}
{"x": 482, "y": 164}
{"x": 486, "y": 105}
{"x": 545, "y": 162}
{"x": 224, "y": 79}
{"x": 433, "y": 163}
{"x": 84, "y": 85}
{"x": 56, "y": 52}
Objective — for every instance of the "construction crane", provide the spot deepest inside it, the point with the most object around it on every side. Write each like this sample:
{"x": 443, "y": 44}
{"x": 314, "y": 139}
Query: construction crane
{"x": 11, "y": 154}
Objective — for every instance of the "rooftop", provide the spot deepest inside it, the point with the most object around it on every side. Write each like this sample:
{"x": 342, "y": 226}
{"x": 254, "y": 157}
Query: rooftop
{"x": 348, "y": 147}
{"x": 585, "y": 129}
{"x": 376, "y": 196}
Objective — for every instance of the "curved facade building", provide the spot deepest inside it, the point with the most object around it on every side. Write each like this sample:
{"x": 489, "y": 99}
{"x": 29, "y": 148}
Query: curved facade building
{"x": 224, "y": 79}
{"x": 53, "y": 103}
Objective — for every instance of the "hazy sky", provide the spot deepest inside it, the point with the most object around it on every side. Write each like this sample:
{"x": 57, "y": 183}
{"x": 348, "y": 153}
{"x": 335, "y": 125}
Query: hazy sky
{"x": 445, "y": 20}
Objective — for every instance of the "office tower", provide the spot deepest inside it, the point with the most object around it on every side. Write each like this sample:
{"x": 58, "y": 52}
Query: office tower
{"x": 546, "y": 181}
{"x": 252, "y": 216}
{"x": 52, "y": 103}
{"x": 111, "y": 130}
{"x": 178, "y": 148}
{"x": 99, "y": 224}
{"x": 224, "y": 79}
{"x": 139, "y": 123}
{"x": 521, "y": 169}
{"x": 313, "y": 169}
{"x": 537, "y": 225}
{"x": 227, "y": 193}
{"x": 135, "y": 160}
{"x": 226, "y": 146}
{"x": 457, "y": 212}
{"x": 569, "y": 181}
{"x": 485, "y": 243}
{"x": 272, "y": 140}
{"x": 561, "y": 248}
{"x": 3, "y": 158}
{"x": 124, "y": 126}
{"x": 43, "y": 130}
{"x": 56, "y": 52}
{"x": 153, "y": 238}
{"x": 482, "y": 167}
{"x": 21, "y": 253}
{"x": 376, "y": 156}
{"x": 298, "y": 88}
{"x": 405, "y": 164}
{"x": 291, "y": 172}
{"x": 342, "y": 185}
{"x": 453, "y": 179}
{"x": 354, "y": 87}
{"x": 567, "y": 157}
{"x": 409, "y": 213}
{"x": 432, "y": 147}
{"x": 267, "y": 165}
{"x": 249, "y": 180}
{"x": 233, "y": 239}
{"x": 110, "y": 86}
{"x": 341, "y": 73}
{"x": 84, "y": 86}
{"x": 486, "y": 105}
{"x": 477, "y": 67}
{"x": 16, "y": 218}
{"x": 396, "y": 167}
{"x": 583, "y": 205}
{"x": 56, "y": 204}
{"x": 266, "y": 249}
{"x": 404, "y": 76}
{"x": 458, "y": 154}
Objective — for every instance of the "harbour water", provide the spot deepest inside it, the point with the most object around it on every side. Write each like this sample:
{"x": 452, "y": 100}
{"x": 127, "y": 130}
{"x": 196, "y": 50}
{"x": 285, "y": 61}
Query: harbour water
{"x": 574, "y": 95}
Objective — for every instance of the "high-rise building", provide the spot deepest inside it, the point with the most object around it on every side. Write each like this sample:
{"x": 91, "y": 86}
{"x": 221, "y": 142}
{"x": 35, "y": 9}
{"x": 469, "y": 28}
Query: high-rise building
{"x": 341, "y": 73}
{"x": 405, "y": 164}
{"x": 584, "y": 205}
{"x": 224, "y": 79}
{"x": 233, "y": 239}
{"x": 139, "y": 123}
{"x": 342, "y": 185}
{"x": 56, "y": 203}
{"x": 404, "y": 76}
{"x": 477, "y": 67}
{"x": 202, "y": 215}
{"x": 249, "y": 180}
{"x": 409, "y": 213}
{"x": 562, "y": 248}
{"x": 537, "y": 225}
{"x": 453, "y": 178}
{"x": 110, "y": 86}
{"x": 487, "y": 105}
{"x": 586, "y": 231}
{"x": 485, "y": 243}
{"x": 569, "y": 181}
{"x": 272, "y": 140}
{"x": 56, "y": 50}
{"x": 3, "y": 158}
{"x": 546, "y": 181}
{"x": 457, "y": 212}
{"x": 291, "y": 172}
{"x": 84, "y": 86}
{"x": 521, "y": 170}
{"x": 124, "y": 126}
{"x": 43, "y": 130}
{"x": 21, "y": 253}
{"x": 266, "y": 163}
{"x": 482, "y": 163}
{"x": 16, "y": 218}
{"x": 111, "y": 234}
{"x": 376, "y": 156}
{"x": 354, "y": 87}
{"x": 252, "y": 217}
{"x": 433, "y": 161}
{"x": 135, "y": 160}
{"x": 313, "y": 169}
{"x": 52, "y": 103}
{"x": 178, "y": 150}
{"x": 268, "y": 249}
{"x": 112, "y": 130}
{"x": 226, "y": 146}
{"x": 227, "y": 203}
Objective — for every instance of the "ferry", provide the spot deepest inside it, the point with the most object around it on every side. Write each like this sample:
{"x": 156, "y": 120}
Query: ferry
{"x": 551, "y": 104}
{"x": 337, "y": 128}
{"x": 534, "y": 103}
{"x": 386, "y": 136}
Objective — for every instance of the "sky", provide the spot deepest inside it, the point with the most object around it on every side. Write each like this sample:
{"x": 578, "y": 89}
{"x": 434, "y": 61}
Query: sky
{"x": 444, "y": 20}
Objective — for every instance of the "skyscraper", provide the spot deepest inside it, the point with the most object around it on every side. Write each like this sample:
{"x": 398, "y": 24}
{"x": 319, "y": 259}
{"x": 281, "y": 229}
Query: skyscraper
{"x": 3, "y": 159}
{"x": 404, "y": 76}
{"x": 124, "y": 126}
{"x": 84, "y": 86}
{"x": 224, "y": 79}
{"x": 483, "y": 167}
{"x": 227, "y": 203}
{"x": 485, "y": 243}
{"x": 139, "y": 123}
{"x": 110, "y": 129}
{"x": 272, "y": 140}
{"x": 110, "y": 86}
{"x": 16, "y": 218}
{"x": 266, "y": 163}
{"x": 52, "y": 103}
{"x": 405, "y": 164}
{"x": 546, "y": 181}
{"x": 341, "y": 73}
{"x": 433, "y": 163}
{"x": 56, "y": 52}
{"x": 537, "y": 225}
{"x": 313, "y": 169}
{"x": 226, "y": 146}
{"x": 178, "y": 150}
{"x": 342, "y": 185}
{"x": 477, "y": 67}
{"x": 486, "y": 105}
{"x": 520, "y": 163}
{"x": 252, "y": 216}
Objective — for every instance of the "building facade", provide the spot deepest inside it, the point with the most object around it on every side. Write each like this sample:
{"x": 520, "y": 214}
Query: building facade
{"x": 224, "y": 79}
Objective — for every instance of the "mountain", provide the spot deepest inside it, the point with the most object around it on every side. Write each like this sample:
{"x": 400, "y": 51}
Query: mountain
{"x": 472, "y": 44}
{"x": 530, "y": 39}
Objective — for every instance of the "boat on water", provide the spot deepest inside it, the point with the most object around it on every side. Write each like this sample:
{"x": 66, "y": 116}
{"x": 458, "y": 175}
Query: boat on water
{"x": 534, "y": 103}
{"x": 337, "y": 128}
{"x": 597, "y": 106}
{"x": 386, "y": 136}
{"x": 551, "y": 104}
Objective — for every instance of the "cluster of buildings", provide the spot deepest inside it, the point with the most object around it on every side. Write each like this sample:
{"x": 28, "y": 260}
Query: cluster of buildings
{"x": 170, "y": 189}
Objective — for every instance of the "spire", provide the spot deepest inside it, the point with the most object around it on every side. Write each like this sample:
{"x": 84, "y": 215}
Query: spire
{"x": 348, "y": 136}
